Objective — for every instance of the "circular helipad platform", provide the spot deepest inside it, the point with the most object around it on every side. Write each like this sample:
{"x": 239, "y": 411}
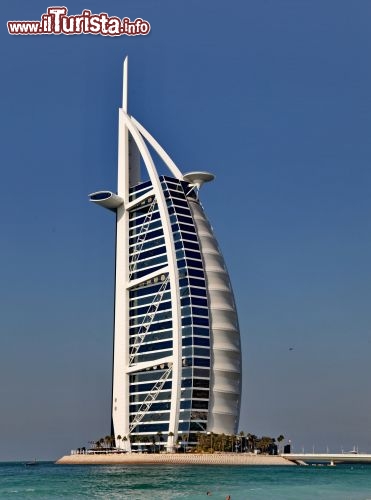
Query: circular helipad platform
{"x": 198, "y": 178}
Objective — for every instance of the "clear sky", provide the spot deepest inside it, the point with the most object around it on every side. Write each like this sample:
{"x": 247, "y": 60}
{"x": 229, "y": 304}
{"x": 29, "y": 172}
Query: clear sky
{"x": 271, "y": 96}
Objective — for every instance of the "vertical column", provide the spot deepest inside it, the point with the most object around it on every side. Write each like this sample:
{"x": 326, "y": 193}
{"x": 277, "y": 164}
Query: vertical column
{"x": 120, "y": 402}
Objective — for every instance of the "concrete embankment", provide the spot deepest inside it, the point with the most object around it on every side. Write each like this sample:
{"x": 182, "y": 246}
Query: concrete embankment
{"x": 173, "y": 458}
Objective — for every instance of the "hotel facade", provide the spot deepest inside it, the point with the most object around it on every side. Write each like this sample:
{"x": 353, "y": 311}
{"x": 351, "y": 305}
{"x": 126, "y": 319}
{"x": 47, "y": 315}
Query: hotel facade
{"x": 177, "y": 355}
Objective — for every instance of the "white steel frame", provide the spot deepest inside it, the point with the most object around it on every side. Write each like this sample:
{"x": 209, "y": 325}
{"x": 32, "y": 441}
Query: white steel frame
{"x": 123, "y": 357}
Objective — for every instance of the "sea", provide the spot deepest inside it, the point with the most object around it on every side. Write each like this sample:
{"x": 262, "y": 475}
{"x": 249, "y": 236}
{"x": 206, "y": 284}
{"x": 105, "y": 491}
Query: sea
{"x": 45, "y": 480}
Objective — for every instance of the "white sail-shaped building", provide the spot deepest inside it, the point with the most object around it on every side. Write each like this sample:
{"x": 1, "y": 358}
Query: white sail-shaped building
{"x": 177, "y": 355}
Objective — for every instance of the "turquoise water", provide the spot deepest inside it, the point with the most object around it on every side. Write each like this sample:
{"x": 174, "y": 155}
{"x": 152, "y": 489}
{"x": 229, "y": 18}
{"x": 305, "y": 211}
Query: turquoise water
{"x": 49, "y": 481}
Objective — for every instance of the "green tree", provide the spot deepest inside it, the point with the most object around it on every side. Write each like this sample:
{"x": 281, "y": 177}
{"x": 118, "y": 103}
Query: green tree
{"x": 170, "y": 442}
{"x": 159, "y": 435}
{"x": 153, "y": 440}
{"x": 119, "y": 440}
{"x": 242, "y": 440}
{"x": 264, "y": 443}
{"x": 280, "y": 438}
{"x": 107, "y": 440}
{"x": 185, "y": 442}
{"x": 223, "y": 436}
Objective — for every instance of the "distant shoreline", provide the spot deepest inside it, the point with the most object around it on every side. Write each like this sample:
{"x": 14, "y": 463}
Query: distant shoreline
{"x": 174, "y": 459}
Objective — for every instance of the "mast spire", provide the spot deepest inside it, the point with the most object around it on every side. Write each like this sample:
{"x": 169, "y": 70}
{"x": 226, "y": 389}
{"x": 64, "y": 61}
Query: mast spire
{"x": 125, "y": 86}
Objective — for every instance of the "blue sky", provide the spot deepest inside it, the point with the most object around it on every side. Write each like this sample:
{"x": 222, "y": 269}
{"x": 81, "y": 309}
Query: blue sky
{"x": 273, "y": 97}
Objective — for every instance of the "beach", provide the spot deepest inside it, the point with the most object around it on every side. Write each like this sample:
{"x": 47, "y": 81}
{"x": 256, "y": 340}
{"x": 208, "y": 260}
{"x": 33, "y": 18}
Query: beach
{"x": 173, "y": 459}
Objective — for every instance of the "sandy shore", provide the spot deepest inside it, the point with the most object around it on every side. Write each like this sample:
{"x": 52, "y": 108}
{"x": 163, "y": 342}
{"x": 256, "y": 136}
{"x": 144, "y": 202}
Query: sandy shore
{"x": 174, "y": 458}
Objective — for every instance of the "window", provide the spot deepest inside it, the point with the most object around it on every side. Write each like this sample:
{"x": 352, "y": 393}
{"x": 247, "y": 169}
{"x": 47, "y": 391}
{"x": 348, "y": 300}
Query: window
{"x": 188, "y": 228}
{"x": 193, "y": 254}
{"x": 148, "y": 254}
{"x": 151, "y": 375}
{"x": 145, "y": 264}
{"x": 194, "y": 263}
{"x": 189, "y": 237}
{"x": 154, "y": 407}
{"x": 199, "y": 302}
{"x": 138, "y": 221}
{"x": 185, "y": 301}
{"x": 141, "y": 358}
{"x": 137, "y": 302}
{"x": 199, "y": 415}
{"x": 164, "y": 304}
{"x": 196, "y": 282}
{"x": 159, "y": 316}
{"x": 200, "y": 331}
{"x": 154, "y": 428}
{"x": 149, "y": 288}
{"x": 152, "y": 337}
{"x": 191, "y": 245}
{"x": 200, "y": 394}
{"x": 183, "y": 211}
{"x": 156, "y": 346}
{"x": 198, "y": 426}
{"x": 200, "y": 292}
{"x": 187, "y": 351}
{"x": 185, "y": 405}
{"x": 155, "y": 417}
{"x": 200, "y": 321}
{"x": 139, "y": 398}
{"x": 154, "y": 224}
{"x": 201, "y": 372}
{"x": 199, "y": 382}
{"x": 179, "y": 201}
{"x": 201, "y": 362}
{"x": 140, "y": 274}
{"x": 186, "y": 220}
{"x": 150, "y": 243}
{"x": 201, "y": 341}
{"x": 147, "y": 387}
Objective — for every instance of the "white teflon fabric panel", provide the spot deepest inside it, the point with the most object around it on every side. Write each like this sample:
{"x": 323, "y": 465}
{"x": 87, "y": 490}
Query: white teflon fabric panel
{"x": 225, "y": 373}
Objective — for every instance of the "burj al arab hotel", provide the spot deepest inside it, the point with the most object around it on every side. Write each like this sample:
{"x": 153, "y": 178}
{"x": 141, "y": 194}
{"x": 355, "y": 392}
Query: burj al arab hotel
{"x": 177, "y": 354}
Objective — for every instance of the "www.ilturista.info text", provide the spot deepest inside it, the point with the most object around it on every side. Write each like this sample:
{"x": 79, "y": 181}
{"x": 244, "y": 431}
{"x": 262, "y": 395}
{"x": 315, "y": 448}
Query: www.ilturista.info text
{"x": 57, "y": 22}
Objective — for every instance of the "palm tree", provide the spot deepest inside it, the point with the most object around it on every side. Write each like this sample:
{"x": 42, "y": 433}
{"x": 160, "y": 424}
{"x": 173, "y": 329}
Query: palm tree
{"x": 242, "y": 436}
{"x": 159, "y": 434}
{"x": 112, "y": 441}
{"x": 280, "y": 438}
{"x": 252, "y": 438}
{"x": 185, "y": 439}
{"x": 153, "y": 440}
{"x": 107, "y": 440}
{"x": 148, "y": 443}
{"x": 264, "y": 443}
{"x": 170, "y": 442}
{"x": 179, "y": 443}
{"x": 119, "y": 440}
{"x": 233, "y": 437}
{"x": 212, "y": 445}
{"x": 223, "y": 436}
{"x": 124, "y": 438}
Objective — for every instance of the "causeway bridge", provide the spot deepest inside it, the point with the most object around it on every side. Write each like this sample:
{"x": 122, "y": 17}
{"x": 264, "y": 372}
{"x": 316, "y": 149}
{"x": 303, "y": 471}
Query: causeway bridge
{"x": 329, "y": 458}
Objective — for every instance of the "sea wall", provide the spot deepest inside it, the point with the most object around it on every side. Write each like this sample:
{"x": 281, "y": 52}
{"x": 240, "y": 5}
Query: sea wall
{"x": 173, "y": 458}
